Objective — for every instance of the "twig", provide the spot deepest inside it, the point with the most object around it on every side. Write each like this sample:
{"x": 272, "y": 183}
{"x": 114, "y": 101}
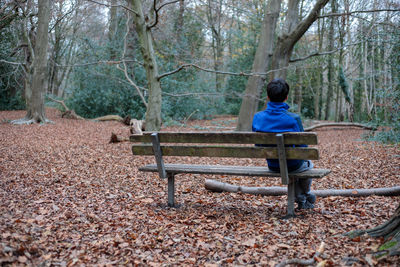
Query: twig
{"x": 357, "y": 11}
{"x": 108, "y": 62}
{"x": 187, "y": 119}
{"x": 158, "y": 9}
{"x": 107, "y": 5}
{"x": 304, "y": 262}
{"x": 322, "y": 53}
{"x": 12, "y": 63}
{"x": 216, "y": 71}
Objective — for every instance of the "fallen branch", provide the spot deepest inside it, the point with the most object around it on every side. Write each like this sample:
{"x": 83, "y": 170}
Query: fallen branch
{"x": 216, "y": 186}
{"x": 342, "y": 124}
{"x": 310, "y": 261}
{"x": 68, "y": 113}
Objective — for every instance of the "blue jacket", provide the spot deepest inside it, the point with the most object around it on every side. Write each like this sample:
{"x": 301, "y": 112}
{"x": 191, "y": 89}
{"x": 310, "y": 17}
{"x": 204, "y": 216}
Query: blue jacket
{"x": 277, "y": 119}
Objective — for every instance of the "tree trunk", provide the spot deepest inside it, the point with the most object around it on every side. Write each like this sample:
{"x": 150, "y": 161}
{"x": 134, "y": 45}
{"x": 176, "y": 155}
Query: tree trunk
{"x": 331, "y": 41}
{"x": 283, "y": 49}
{"x": 320, "y": 78}
{"x": 112, "y": 29}
{"x": 260, "y": 65}
{"x": 35, "y": 92}
{"x": 298, "y": 91}
{"x": 153, "y": 112}
{"x": 214, "y": 17}
{"x": 179, "y": 25}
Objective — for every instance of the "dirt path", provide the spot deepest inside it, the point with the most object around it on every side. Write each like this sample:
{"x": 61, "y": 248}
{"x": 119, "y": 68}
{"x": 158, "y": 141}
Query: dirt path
{"x": 69, "y": 197}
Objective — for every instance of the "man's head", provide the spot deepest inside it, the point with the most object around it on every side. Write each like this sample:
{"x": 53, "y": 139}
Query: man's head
{"x": 277, "y": 90}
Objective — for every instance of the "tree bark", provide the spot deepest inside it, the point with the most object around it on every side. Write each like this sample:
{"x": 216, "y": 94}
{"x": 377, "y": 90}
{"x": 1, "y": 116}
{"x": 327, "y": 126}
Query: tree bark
{"x": 260, "y": 65}
{"x": 283, "y": 50}
{"x": 153, "y": 112}
{"x": 298, "y": 91}
{"x": 35, "y": 92}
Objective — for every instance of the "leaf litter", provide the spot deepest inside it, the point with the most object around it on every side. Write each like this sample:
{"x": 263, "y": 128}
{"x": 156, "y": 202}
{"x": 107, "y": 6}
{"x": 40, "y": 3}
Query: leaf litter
{"x": 68, "y": 197}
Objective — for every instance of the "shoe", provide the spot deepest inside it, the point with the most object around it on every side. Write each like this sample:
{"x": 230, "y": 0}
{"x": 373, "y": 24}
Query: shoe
{"x": 305, "y": 205}
{"x": 311, "y": 198}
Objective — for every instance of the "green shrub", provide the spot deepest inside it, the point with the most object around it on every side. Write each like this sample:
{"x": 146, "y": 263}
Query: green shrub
{"x": 8, "y": 102}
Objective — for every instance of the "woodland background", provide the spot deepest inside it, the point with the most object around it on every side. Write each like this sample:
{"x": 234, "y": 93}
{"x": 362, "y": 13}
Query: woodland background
{"x": 344, "y": 68}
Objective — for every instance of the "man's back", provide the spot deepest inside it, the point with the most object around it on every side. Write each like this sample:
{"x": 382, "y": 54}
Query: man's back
{"x": 277, "y": 119}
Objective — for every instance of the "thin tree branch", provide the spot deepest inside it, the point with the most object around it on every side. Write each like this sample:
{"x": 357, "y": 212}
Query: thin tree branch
{"x": 322, "y": 53}
{"x": 357, "y": 11}
{"x": 12, "y": 63}
{"x": 156, "y": 10}
{"x": 59, "y": 102}
{"x": 215, "y": 71}
{"x": 108, "y": 62}
{"x": 310, "y": 261}
{"x": 379, "y": 23}
{"x": 194, "y": 94}
{"x": 28, "y": 39}
{"x": 107, "y": 5}
{"x": 60, "y": 19}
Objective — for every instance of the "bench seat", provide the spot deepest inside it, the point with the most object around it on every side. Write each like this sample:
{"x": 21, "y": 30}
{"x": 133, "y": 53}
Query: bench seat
{"x": 232, "y": 170}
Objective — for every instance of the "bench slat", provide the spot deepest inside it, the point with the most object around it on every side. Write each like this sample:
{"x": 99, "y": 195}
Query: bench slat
{"x": 232, "y": 170}
{"x": 227, "y": 151}
{"x": 228, "y": 138}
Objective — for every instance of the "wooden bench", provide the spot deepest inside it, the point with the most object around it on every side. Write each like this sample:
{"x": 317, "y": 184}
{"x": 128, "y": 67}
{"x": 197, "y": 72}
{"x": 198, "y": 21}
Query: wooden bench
{"x": 228, "y": 144}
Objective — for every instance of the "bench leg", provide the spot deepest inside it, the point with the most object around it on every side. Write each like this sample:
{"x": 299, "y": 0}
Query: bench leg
{"x": 290, "y": 200}
{"x": 171, "y": 190}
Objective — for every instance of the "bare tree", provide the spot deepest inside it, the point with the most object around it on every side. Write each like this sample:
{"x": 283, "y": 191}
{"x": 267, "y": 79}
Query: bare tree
{"x": 35, "y": 90}
{"x": 282, "y": 53}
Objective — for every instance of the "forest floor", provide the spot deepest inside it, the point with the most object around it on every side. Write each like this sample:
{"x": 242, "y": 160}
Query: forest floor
{"x": 69, "y": 197}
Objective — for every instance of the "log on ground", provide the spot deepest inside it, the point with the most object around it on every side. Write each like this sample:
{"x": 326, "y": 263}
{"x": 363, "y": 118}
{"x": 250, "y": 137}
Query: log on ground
{"x": 337, "y": 124}
{"x": 217, "y": 186}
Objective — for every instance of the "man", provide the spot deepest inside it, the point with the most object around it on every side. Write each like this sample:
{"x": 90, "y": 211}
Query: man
{"x": 277, "y": 119}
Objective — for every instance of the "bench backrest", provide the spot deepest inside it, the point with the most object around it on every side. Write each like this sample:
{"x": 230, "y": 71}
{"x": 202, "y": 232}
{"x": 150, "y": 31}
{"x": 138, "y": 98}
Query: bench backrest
{"x": 229, "y": 144}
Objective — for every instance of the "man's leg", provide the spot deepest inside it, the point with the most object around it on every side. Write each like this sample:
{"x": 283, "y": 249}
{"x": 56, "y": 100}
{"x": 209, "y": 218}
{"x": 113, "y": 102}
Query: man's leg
{"x": 304, "y": 198}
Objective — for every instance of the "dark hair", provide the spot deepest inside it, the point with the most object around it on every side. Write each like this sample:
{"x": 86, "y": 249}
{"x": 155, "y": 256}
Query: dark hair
{"x": 277, "y": 90}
